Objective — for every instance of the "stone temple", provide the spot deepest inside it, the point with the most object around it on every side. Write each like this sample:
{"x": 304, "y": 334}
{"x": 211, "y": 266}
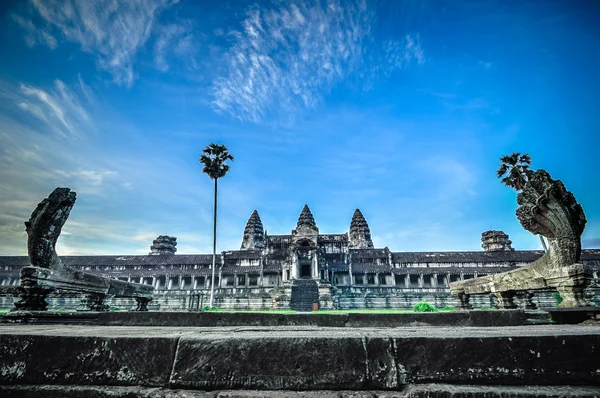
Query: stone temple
{"x": 302, "y": 270}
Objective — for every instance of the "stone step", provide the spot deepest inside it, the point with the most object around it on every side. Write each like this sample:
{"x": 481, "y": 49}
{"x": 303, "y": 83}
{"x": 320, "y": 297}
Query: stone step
{"x": 305, "y": 292}
{"x": 298, "y": 358}
{"x": 413, "y": 391}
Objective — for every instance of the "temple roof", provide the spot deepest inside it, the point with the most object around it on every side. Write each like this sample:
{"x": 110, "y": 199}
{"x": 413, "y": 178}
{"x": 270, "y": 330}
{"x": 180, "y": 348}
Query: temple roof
{"x": 521, "y": 256}
{"x": 360, "y": 234}
{"x": 306, "y": 219}
{"x": 254, "y": 234}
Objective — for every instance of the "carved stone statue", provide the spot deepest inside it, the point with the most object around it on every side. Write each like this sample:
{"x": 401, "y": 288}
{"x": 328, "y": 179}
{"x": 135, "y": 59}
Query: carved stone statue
{"x": 47, "y": 272}
{"x": 548, "y": 209}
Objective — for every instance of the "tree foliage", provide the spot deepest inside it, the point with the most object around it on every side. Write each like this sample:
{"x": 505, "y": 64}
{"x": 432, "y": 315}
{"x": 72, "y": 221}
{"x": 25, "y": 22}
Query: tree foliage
{"x": 213, "y": 159}
{"x": 514, "y": 170}
{"x": 424, "y": 306}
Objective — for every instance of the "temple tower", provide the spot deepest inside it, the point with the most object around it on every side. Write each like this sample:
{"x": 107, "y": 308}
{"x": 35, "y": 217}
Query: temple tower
{"x": 495, "y": 241}
{"x": 360, "y": 234}
{"x": 304, "y": 246}
{"x": 163, "y": 245}
{"x": 254, "y": 234}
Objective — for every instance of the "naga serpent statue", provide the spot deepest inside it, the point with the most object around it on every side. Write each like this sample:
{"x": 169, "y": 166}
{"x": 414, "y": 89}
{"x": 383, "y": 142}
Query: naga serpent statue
{"x": 47, "y": 273}
{"x": 545, "y": 208}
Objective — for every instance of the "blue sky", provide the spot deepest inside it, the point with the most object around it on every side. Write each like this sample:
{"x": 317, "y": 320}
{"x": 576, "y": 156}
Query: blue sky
{"x": 399, "y": 108}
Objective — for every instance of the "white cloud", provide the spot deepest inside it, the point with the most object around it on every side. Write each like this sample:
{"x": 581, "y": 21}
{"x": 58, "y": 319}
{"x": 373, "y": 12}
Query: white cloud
{"x": 285, "y": 58}
{"x": 175, "y": 39}
{"x": 58, "y": 108}
{"x": 112, "y": 30}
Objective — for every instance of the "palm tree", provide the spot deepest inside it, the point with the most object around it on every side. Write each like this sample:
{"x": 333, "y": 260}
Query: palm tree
{"x": 515, "y": 173}
{"x": 516, "y": 168}
{"x": 213, "y": 158}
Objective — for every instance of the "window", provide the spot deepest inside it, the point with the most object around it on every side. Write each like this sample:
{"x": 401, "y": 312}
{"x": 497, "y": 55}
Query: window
{"x": 242, "y": 280}
{"x": 253, "y": 280}
{"x": 382, "y": 280}
{"x": 358, "y": 279}
{"x": 370, "y": 279}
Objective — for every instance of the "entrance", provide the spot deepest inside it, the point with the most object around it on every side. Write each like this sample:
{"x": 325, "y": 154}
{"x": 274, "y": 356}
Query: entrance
{"x": 305, "y": 269}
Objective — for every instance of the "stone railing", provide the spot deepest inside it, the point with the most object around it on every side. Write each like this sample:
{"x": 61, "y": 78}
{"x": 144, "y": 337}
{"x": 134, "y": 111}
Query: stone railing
{"x": 47, "y": 273}
{"x": 546, "y": 208}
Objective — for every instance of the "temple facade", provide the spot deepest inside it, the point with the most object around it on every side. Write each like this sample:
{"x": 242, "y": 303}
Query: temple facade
{"x": 303, "y": 270}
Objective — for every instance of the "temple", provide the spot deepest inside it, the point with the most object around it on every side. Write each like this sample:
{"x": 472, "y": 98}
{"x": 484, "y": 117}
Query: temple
{"x": 303, "y": 270}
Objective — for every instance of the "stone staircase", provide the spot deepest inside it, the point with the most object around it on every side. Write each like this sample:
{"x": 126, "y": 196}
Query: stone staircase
{"x": 305, "y": 292}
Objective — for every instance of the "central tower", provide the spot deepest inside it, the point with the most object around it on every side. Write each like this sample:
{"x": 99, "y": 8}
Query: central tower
{"x": 304, "y": 247}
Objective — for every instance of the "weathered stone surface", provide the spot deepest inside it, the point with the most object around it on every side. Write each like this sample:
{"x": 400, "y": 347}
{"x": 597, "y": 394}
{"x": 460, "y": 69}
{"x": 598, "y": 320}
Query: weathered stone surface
{"x": 300, "y": 359}
{"x": 501, "y": 360}
{"x": 212, "y": 319}
{"x": 55, "y": 359}
{"x": 163, "y": 245}
{"x": 351, "y": 320}
{"x": 47, "y": 272}
{"x": 493, "y": 241}
{"x": 545, "y": 208}
{"x": 360, "y": 234}
{"x": 412, "y": 391}
{"x": 254, "y": 234}
{"x": 301, "y": 363}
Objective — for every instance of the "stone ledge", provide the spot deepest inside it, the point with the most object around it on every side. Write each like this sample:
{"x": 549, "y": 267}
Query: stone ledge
{"x": 294, "y": 358}
{"x": 353, "y": 320}
{"x": 413, "y": 391}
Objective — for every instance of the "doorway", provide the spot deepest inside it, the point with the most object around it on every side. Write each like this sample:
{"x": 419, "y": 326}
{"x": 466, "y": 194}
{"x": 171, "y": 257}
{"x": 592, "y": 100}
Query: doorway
{"x": 305, "y": 267}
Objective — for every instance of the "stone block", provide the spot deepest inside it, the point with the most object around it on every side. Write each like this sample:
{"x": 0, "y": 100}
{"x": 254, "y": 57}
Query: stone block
{"x": 518, "y": 360}
{"x": 80, "y": 360}
{"x": 294, "y": 363}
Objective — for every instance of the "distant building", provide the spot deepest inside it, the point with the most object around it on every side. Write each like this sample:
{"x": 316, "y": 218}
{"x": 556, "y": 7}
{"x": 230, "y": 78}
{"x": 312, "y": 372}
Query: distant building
{"x": 301, "y": 270}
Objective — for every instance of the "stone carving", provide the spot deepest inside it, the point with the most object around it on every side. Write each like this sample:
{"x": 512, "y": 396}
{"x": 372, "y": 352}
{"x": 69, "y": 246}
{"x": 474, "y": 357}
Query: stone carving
{"x": 495, "y": 241}
{"x": 306, "y": 220}
{"x": 47, "y": 273}
{"x": 545, "y": 208}
{"x": 163, "y": 245}
{"x": 254, "y": 234}
{"x": 360, "y": 234}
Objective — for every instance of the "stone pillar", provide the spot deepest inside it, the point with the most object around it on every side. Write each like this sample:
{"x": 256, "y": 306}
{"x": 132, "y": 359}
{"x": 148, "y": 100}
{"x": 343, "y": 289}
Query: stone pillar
{"x": 246, "y": 280}
{"x": 376, "y": 278}
{"x": 434, "y": 281}
{"x": 421, "y": 280}
{"x": 93, "y": 302}
{"x": 32, "y": 298}
{"x": 573, "y": 296}
{"x": 142, "y": 303}
{"x": 462, "y": 301}
{"x": 505, "y": 300}
{"x": 526, "y": 300}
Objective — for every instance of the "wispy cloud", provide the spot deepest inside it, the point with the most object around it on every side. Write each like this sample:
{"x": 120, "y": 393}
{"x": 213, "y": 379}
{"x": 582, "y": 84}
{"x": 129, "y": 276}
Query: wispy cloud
{"x": 175, "y": 40}
{"x": 58, "y": 107}
{"x": 286, "y": 57}
{"x": 114, "y": 31}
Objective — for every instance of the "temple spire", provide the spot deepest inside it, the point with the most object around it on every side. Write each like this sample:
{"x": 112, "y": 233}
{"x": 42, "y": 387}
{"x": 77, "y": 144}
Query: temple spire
{"x": 254, "y": 235}
{"x": 306, "y": 219}
{"x": 360, "y": 234}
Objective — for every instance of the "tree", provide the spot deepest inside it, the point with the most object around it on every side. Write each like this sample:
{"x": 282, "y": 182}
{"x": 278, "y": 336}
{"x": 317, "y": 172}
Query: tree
{"x": 515, "y": 173}
{"x": 516, "y": 168}
{"x": 213, "y": 159}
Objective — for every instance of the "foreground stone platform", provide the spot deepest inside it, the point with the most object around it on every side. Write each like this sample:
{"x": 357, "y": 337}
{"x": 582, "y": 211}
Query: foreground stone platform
{"x": 226, "y": 319}
{"x": 42, "y": 360}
